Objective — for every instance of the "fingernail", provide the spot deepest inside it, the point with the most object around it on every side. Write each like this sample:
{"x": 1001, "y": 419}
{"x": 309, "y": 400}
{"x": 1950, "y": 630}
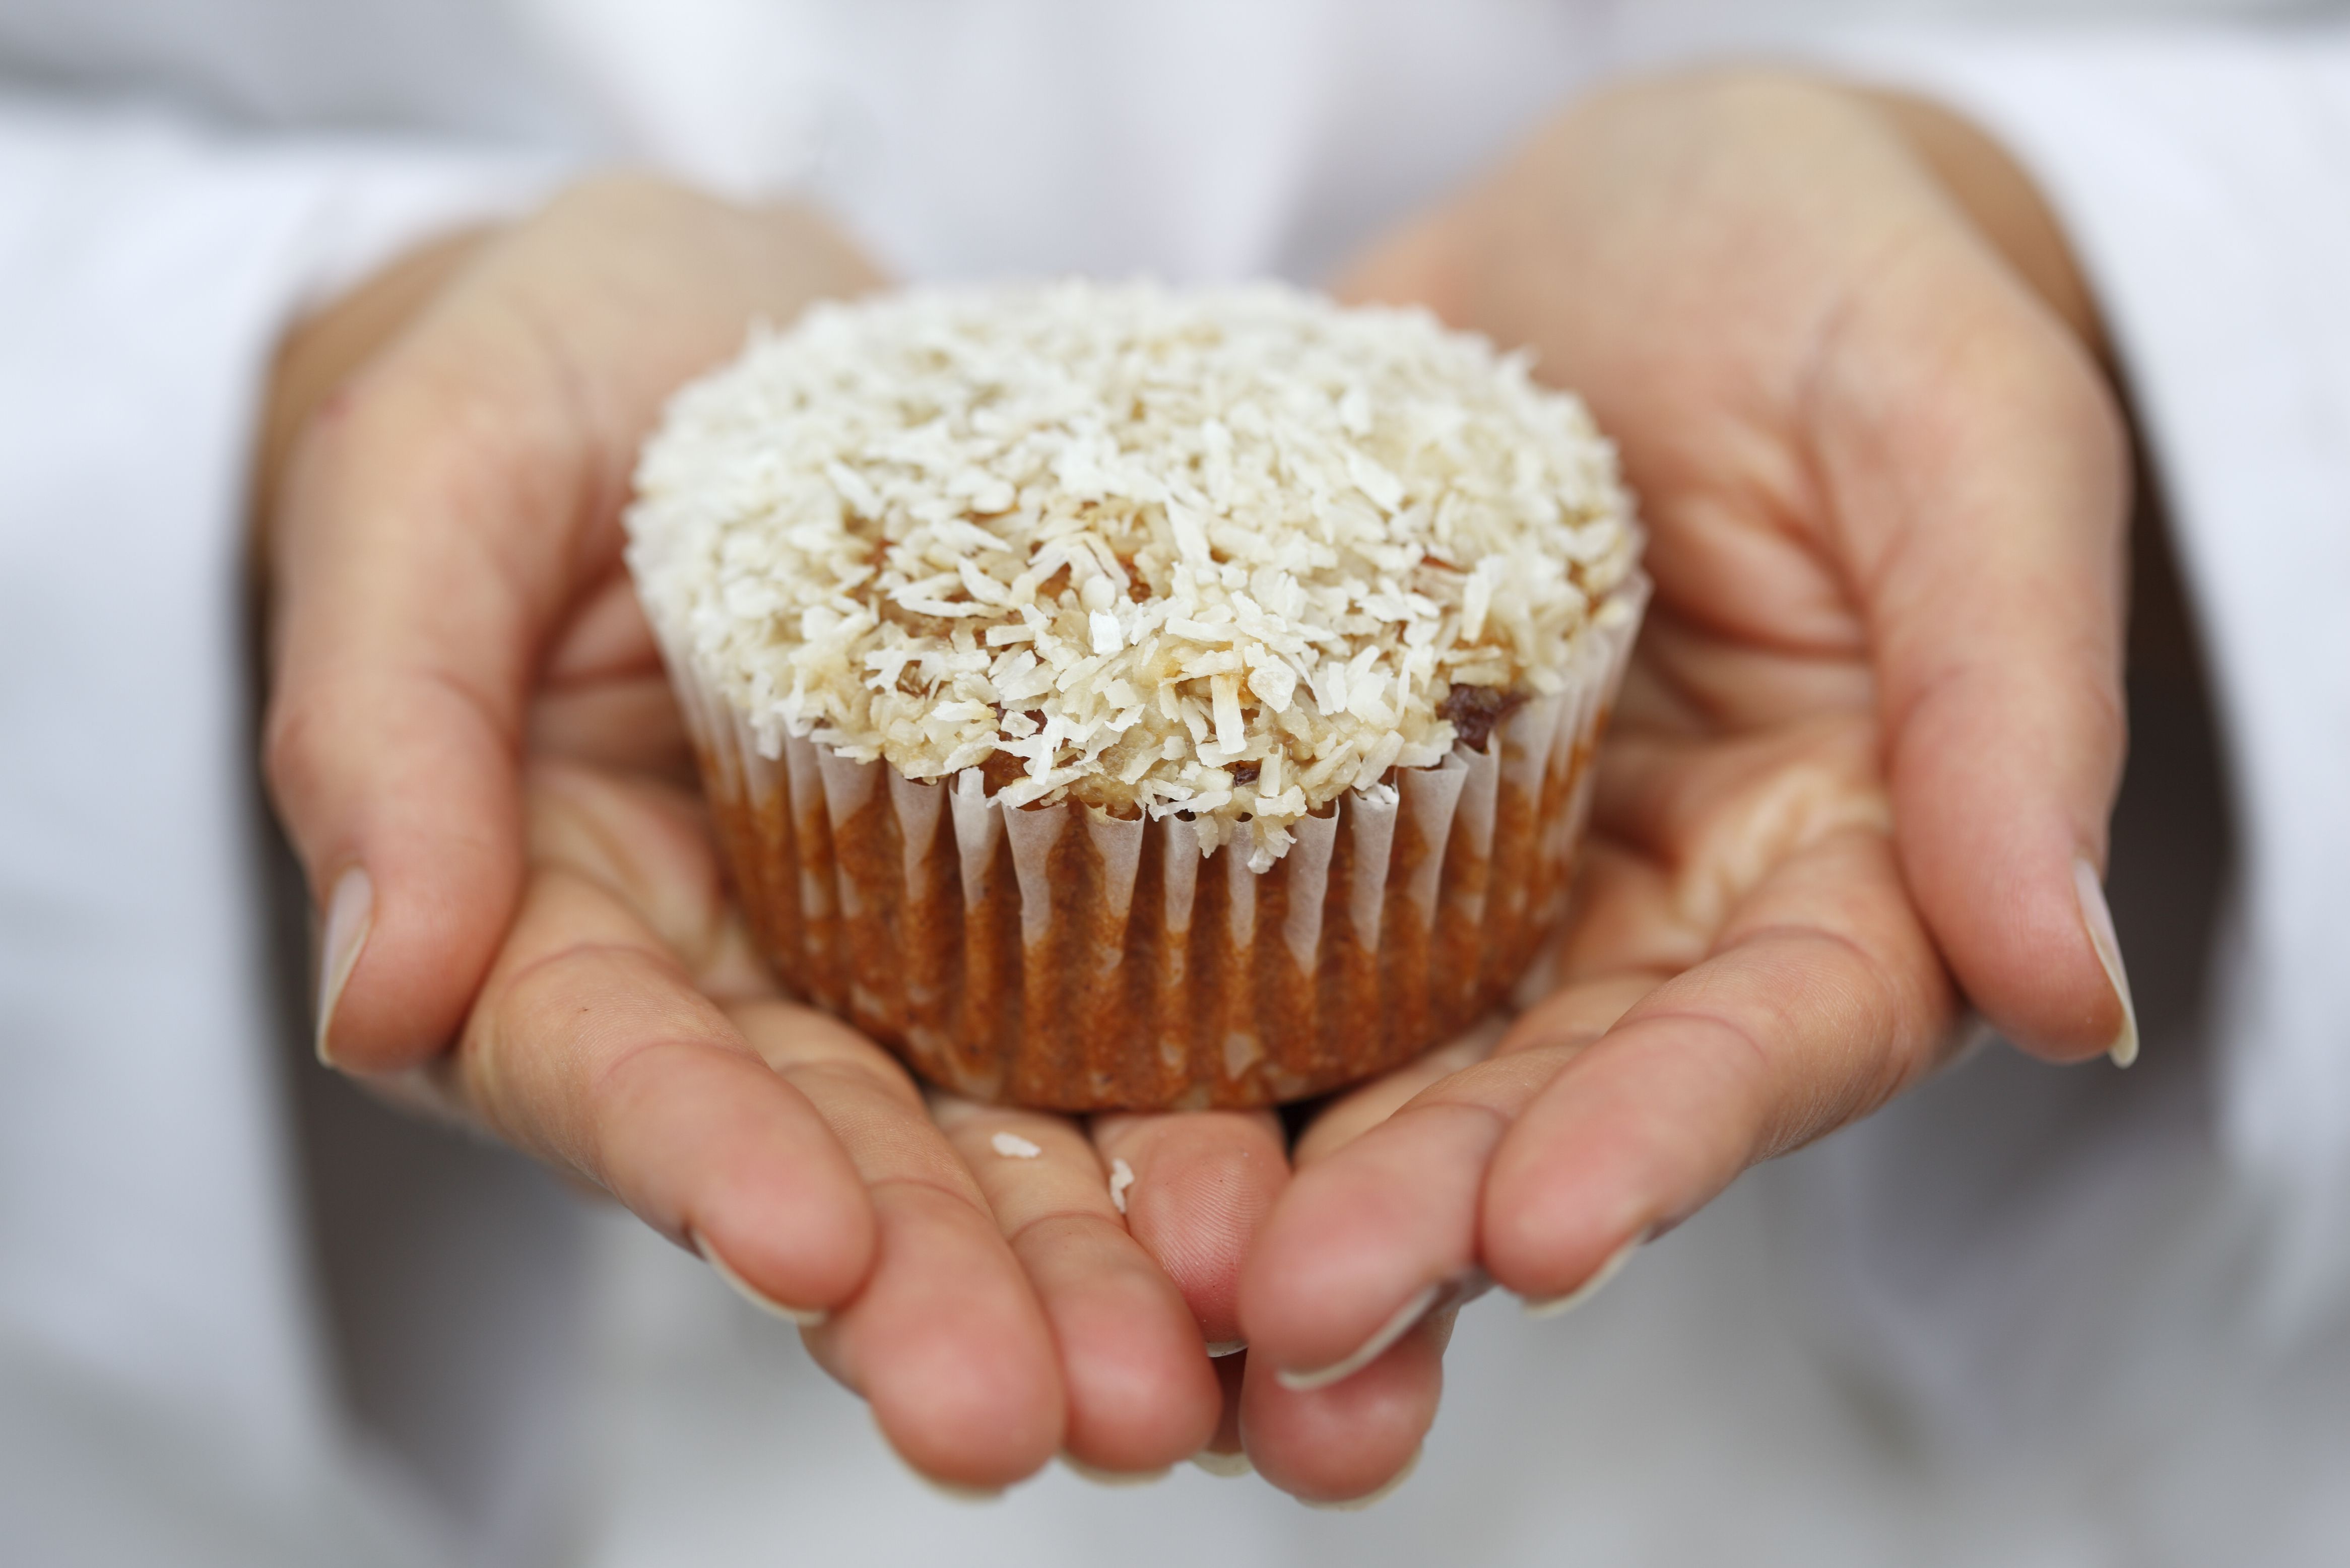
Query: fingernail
{"x": 806, "y": 1317}
{"x": 350, "y": 914}
{"x": 1553, "y": 1306}
{"x": 1443, "y": 1295}
{"x": 1219, "y": 1348}
{"x": 1228, "y": 1466}
{"x": 1100, "y": 1477}
{"x": 1356, "y": 1504}
{"x": 2098, "y": 917}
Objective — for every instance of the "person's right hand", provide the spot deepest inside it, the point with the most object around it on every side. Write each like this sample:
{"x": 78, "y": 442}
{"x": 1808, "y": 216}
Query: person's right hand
{"x": 476, "y": 751}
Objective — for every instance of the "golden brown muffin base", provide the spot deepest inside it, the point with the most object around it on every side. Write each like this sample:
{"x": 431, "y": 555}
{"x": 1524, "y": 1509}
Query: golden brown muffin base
{"x": 1061, "y": 957}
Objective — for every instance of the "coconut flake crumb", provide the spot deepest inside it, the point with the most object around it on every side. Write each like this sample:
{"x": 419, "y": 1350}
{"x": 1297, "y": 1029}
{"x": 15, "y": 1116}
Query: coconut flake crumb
{"x": 1121, "y": 1177}
{"x": 1223, "y": 551}
{"x": 1012, "y": 1145}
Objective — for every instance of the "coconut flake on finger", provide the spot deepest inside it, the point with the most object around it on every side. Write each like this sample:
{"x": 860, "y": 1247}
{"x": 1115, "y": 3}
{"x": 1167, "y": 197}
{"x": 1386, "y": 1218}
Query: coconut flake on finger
{"x": 1228, "y": 552}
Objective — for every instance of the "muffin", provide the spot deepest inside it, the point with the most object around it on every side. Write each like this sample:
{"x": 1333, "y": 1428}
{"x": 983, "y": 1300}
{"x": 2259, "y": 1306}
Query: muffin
{"x": 1140, "y": 698}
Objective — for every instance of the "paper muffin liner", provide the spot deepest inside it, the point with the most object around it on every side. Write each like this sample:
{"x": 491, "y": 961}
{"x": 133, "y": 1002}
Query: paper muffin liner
{"x": 1059, "y": 955}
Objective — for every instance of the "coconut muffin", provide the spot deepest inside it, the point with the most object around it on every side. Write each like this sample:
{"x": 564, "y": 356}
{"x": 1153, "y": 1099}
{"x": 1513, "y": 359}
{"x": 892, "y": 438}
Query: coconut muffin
{"x": 1121, "y": 696}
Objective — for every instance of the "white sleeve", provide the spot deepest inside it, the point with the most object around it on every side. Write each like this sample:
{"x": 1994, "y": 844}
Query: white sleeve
{"x": 162, "y": 1389}
{"x": 2204, "y": 179}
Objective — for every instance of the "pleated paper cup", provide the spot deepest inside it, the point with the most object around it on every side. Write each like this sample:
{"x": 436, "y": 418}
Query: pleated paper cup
{"x": 1062, "y": 957}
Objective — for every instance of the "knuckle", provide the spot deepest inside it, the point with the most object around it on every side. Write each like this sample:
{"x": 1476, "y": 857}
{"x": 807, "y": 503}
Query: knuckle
{"x": 290, "y": 745}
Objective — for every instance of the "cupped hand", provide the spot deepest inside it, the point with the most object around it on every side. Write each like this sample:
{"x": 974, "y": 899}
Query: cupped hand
{"x": 475, "y": 749}
{"x": 1865, "y": 759}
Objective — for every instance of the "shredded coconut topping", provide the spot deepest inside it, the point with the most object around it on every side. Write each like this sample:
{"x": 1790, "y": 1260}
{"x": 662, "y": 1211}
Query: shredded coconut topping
{"x": 1012, "y": 1145}
{"x": 1225, "y": 552}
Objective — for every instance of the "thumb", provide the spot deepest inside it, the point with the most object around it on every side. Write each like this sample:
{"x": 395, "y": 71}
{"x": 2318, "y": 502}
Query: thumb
{"x": 1976, "y": 465}
{"x": 439, "y": 517}
{"x": 426, "y": 538}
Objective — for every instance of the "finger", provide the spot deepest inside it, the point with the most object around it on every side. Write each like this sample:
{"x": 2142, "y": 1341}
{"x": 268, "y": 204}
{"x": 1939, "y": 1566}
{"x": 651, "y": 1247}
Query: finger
{"x": 1354, "y": 1439}
{"x": 1977, "y": 467}
{"x": 1380, "y": 1232}
{"x": 1823, "y": 999}
{"x": 592, "y": 1049}
{"x": 1141, "y": 1390}
{"x": 1356, "y": 1112}
{"x": 946, "y": 1342}
{"x": 1224, "y": 1454}
{"x": 1202, "y": 1181}
{"x": 1693, "y": 679}
{"x": 647, "y": 845}
{"x": 431, "y": 530}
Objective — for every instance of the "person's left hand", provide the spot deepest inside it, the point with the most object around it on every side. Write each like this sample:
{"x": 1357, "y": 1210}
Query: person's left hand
{"x": 1872, "y": 730}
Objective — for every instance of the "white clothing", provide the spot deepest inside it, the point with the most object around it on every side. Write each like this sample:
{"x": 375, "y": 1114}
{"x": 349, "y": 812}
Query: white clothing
{"x": 2021, "y": 1317}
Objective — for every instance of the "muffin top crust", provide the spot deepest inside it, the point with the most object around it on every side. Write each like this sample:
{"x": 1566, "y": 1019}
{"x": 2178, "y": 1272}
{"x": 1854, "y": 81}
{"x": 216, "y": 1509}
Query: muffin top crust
{"x": 1228, "y": 552}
